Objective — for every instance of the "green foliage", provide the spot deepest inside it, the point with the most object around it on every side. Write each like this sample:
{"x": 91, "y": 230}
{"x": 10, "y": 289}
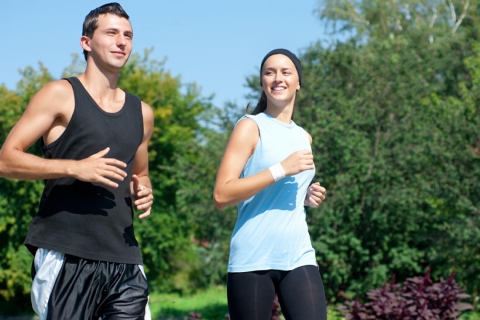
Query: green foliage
{"x": 18, "y": 200}
{"x": 391, "y": 120}
{"x": 394, "y": 116}
{"x": 166, "y": 236}
{"x": 196, "y": 172}
{"x": 211, "y": 304}
{"x": 380, "y": 19}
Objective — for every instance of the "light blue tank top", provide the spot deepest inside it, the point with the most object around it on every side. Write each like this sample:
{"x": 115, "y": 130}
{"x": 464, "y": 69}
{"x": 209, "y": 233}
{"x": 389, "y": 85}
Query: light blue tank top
{"x": 271, "y": 231}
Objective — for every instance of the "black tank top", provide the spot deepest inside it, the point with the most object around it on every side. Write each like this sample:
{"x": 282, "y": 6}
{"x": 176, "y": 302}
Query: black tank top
{"x": 84, "y": 219}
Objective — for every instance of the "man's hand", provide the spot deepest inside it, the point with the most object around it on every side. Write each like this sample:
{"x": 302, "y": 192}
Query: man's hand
{"x": 143, "y": 197}
{"x": 98, "y": 169}
{"x": 315, "y": 195}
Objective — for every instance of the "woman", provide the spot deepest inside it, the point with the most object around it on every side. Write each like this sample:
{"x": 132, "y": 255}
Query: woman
{"x": 266, "y": 169}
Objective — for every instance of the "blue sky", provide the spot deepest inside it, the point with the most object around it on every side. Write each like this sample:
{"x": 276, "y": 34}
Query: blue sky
{"x": 214, "y": 43}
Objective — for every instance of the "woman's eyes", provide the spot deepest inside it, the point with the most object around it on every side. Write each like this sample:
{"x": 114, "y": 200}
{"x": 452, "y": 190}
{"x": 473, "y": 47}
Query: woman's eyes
{"x": 284, "y": 73}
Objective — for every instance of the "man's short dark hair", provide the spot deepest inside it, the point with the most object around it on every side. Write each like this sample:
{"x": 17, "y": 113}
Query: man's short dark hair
{"x": 90, "y": 24}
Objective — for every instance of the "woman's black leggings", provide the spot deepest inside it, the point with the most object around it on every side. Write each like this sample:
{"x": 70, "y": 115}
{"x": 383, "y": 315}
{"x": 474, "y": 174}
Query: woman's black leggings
{"x": 300, "y": 293}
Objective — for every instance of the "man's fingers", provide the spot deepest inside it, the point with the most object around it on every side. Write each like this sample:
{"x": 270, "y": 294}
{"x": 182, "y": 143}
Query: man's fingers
{"x": 112, "y": 170}
{"x": 143, "y": 198}
{"x": 115, "y": 163}
{"x": 113, "y": 173}
{"x": 136, "y": 183}
{"x": 108, "y": 178}
{"x": 144, "y": 206}
{"x": 143, "y": 194}
{"x": 101, "y": 153}
{"x": 145, "y": 214}
{"x": 108, "y": 183}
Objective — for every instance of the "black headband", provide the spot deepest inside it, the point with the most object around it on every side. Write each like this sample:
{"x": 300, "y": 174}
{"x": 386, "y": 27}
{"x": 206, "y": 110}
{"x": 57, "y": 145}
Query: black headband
{"x": 290, "y": 55}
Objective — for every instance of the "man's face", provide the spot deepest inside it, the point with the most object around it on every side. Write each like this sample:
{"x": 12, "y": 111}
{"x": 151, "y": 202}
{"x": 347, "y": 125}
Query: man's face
{"x": 111, "y": 43}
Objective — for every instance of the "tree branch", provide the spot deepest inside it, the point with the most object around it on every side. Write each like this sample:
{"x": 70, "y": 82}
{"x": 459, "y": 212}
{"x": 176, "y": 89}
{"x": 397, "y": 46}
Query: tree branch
{"x": 462, "y": 16}
{"x": 434, "y": 18}
{"x": 452, "y": 11}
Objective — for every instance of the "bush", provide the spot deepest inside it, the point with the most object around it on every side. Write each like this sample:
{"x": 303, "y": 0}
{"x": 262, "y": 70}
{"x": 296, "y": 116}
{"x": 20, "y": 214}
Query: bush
{"x": 418, "y": 298}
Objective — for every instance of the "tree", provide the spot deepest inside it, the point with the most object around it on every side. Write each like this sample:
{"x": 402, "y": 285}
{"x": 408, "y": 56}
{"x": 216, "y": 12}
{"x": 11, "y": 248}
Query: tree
{"x": 211, "y": 227}
{"x": 165, "y": 237}
{"x": 19, "y": 200}
{"x": 391, "y": 136}
{"x": 381, "y": 19}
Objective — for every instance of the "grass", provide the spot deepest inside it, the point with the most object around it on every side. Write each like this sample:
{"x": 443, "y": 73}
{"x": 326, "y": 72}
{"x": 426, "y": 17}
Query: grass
{"x": 211, "y": 304}
{"x": 471, "y": 316}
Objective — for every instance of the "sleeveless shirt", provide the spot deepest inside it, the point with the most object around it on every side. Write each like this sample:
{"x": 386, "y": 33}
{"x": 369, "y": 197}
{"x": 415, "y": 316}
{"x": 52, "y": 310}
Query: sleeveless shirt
{"x": 271, "y": 231}
{"x": 91, "y": 220}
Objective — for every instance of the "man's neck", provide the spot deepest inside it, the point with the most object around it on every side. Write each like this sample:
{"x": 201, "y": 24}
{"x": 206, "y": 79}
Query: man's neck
{"x": 103, "y": 89}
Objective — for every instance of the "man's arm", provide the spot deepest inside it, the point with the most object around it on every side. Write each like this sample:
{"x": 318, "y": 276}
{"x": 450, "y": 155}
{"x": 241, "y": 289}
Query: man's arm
{"x": 141, "y": 185}
{"x": 48, "y": 113}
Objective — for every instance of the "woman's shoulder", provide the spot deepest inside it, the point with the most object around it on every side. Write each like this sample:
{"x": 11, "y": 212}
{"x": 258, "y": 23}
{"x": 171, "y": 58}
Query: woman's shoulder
{"x": 249, "y": 118}
{"x": 259, "y": 117}
{"x": 247, "y": 121}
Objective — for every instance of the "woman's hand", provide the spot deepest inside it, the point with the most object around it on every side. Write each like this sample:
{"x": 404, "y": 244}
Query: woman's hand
{"x": 297, "y": 162}
{"x": 315, "y": 195}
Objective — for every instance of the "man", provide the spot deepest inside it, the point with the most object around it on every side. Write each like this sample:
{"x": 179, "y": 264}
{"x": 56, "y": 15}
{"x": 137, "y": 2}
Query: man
{"x": 95, "y": 138}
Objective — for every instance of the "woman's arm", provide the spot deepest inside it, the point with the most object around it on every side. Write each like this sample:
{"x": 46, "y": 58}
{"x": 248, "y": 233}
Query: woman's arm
{"x": 315, "y": 193}
{"x": 229, "y": 188}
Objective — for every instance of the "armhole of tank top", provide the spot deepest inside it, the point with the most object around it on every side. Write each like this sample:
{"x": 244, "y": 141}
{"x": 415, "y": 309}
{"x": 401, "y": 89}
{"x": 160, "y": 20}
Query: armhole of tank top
{"x": 247, "y": 116}
{"x": 47, "y": 147}
{"x": 308, "y": 135}
{"x": 138, "y": 102}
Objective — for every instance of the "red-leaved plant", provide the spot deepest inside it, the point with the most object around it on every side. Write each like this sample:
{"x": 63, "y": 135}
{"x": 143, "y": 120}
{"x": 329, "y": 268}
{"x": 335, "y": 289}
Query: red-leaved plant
{"x": 419, "y": 298}
{"x": 276, "y": 310}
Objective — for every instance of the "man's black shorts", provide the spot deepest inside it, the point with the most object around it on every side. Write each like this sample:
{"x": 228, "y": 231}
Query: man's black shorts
{"x": 86, "y": 289}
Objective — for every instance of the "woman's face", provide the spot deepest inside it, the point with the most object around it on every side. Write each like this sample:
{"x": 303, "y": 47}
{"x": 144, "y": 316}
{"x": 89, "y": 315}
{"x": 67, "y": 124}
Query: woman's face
{"x": 280, "y": 79}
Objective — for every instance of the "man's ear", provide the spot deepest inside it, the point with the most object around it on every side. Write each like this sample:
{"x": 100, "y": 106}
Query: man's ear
{"x": 85, "y": 43}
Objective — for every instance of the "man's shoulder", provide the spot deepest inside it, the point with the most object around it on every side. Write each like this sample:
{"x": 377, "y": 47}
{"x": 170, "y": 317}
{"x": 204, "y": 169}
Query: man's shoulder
{"x": 55, "y": 95}
{"x": 59, "y": 88}
{"x": 147, "y": 113}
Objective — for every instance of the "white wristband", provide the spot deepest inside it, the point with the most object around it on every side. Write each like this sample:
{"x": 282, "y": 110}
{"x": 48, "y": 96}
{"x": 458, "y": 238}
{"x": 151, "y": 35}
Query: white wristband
{"x": 277, "y": 172}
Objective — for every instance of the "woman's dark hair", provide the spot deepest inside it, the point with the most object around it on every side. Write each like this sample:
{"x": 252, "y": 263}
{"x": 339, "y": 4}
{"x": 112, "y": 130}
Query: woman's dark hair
{"x": 90, "y": 24}
{"x": 261, "y": 105}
